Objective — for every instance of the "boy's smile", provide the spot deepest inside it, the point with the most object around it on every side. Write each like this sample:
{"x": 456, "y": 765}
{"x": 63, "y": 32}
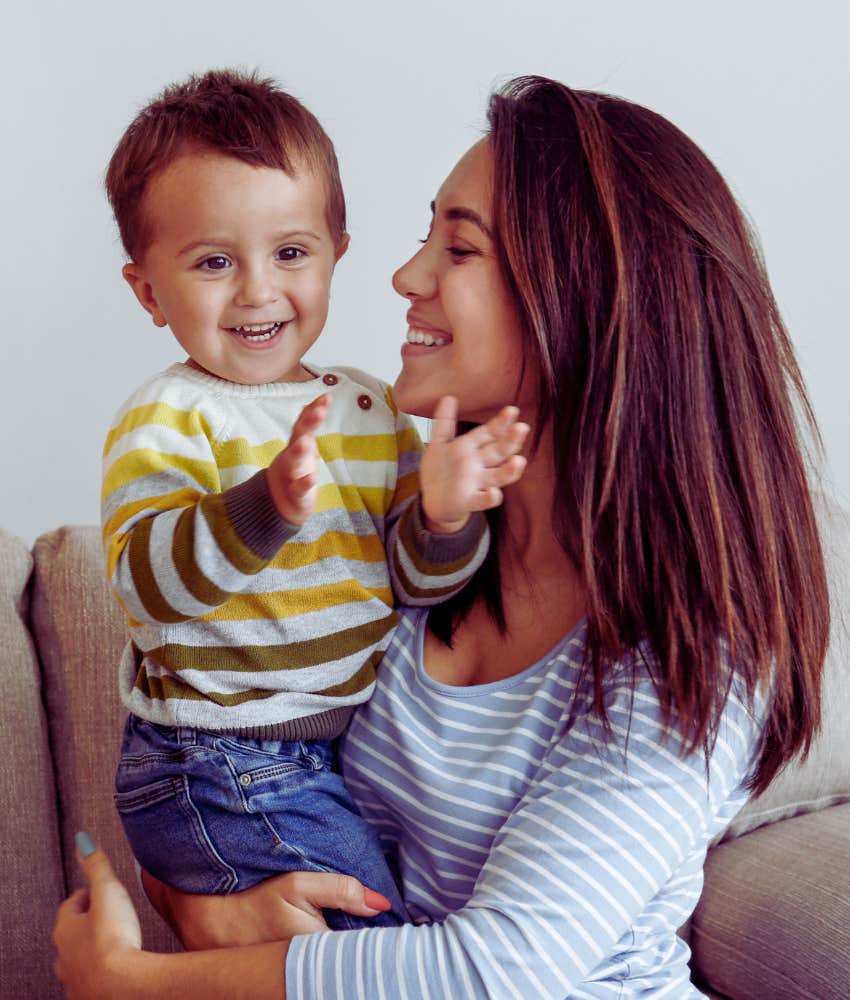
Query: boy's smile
{"x": 239, "y": 264}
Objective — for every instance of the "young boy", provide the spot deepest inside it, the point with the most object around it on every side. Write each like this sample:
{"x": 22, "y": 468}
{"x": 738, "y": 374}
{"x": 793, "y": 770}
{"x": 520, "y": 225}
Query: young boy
{"x": 255, "y": 556}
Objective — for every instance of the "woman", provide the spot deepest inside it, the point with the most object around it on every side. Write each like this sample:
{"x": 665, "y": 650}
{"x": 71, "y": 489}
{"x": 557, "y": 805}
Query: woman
{"x": 548, "y": 755}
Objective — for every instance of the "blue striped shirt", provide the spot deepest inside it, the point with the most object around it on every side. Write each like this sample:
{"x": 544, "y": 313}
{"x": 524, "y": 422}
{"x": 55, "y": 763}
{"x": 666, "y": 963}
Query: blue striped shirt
{"x": 537, "y": 857}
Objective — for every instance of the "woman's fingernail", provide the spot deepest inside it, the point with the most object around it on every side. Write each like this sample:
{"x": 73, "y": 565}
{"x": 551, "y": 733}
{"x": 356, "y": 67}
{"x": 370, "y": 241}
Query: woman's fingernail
{"x": 375, "y": 901}
{"x": 85, "y": 845}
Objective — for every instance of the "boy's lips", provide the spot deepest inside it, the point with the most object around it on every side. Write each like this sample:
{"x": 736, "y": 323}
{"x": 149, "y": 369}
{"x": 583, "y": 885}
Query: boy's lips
{"x": 257, "y": 333}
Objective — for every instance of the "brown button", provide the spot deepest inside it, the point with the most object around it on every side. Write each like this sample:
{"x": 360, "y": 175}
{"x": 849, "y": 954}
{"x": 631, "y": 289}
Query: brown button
{"x": 364, "y": 402}
{"x": 330, "y": 379}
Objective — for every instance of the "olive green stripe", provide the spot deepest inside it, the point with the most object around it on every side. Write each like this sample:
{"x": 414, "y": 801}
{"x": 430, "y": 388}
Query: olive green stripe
{"x": 358, "y": 682}
{"x": 183, "y": 556}
{"x": 435, "y": 594}
{"x": 284, "y": 656}
{"x": 226, "y": 537}
{"x": 161, "y": 688}
{"x": 143, "y": 579}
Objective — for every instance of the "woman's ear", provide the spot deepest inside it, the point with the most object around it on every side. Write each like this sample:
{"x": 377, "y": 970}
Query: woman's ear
{"x": 135, "y": 277}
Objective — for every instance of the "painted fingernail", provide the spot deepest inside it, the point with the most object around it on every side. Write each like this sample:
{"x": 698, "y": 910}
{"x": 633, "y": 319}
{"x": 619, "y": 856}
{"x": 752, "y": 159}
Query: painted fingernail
{"x": 375, "y": 901}
{"x": 85, "y": 845}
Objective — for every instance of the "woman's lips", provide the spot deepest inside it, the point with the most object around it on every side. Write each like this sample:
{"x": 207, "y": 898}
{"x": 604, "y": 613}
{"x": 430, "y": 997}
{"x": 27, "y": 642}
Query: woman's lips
{"x": 424, "y": 340}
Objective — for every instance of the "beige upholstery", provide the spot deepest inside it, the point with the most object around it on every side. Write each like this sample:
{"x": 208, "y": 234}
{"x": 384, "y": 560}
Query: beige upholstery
{"x": 772, "y": 923}
{"x": 80, "y": 633}
{"x": 32, "y": 883}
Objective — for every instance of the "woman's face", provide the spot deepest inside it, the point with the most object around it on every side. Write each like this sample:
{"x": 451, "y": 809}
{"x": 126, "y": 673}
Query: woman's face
{"x": 464, "y": 335}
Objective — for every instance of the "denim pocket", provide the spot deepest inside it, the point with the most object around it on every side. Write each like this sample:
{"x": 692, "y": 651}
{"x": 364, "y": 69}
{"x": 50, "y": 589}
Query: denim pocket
{"x": 169, "y": 838}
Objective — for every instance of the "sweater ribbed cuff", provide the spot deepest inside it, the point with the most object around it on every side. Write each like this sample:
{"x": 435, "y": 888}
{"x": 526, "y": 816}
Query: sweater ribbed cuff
{"x": 255, "y": 517}
{"x": 441, "y": 549}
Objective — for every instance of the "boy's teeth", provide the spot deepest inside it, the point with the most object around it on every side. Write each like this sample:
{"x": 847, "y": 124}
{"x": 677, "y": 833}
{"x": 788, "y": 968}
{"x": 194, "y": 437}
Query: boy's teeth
{"x": 257, "y": 331}
{"x": 428, "y": 339}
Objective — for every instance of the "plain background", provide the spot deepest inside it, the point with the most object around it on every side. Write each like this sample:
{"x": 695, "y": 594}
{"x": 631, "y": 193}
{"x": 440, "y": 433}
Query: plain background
{"x": 401, "y": 89}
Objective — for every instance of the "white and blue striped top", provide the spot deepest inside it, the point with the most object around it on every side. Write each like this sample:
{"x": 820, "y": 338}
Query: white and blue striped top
{"x": 537, "y": 858}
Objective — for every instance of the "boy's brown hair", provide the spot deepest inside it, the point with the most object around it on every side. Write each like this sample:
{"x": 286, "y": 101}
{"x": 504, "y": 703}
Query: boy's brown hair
{"x": 224, "y": 111}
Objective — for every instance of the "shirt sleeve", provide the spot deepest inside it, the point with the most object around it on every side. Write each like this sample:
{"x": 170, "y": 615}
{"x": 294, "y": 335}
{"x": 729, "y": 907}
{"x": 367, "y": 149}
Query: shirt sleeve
{"x": 603, "y": 828}
{"x": 426, "y": 568}
{"x": 177, "y": 546}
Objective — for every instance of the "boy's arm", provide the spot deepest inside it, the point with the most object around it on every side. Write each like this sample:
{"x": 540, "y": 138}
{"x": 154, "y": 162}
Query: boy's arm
{"x": 177, "y": 546}
{"x": 441, "y": 536}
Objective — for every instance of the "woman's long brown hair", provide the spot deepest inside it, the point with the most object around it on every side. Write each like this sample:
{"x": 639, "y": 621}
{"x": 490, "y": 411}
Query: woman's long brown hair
{"x": 668, "y": 383}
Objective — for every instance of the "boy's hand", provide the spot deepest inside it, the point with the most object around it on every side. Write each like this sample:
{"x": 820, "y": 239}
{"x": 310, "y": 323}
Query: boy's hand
{"x": 292, "y": 474}
{"x": 460, "y": 475}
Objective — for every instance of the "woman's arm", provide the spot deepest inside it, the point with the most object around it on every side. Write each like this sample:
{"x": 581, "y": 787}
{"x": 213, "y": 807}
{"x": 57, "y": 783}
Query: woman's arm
{"x": 99, "y": 954}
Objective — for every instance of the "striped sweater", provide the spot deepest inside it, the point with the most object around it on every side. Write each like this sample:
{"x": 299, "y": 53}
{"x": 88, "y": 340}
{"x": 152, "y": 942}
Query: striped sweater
{"x": 536, "y": 858}
{"x": 240, "y": 621}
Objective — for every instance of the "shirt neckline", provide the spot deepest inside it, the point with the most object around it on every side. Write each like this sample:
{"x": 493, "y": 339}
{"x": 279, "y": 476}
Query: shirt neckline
{"x": 481, "y": 690}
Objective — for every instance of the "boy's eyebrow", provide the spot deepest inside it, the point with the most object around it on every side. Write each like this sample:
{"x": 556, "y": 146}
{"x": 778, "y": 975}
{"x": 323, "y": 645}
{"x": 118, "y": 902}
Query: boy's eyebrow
{"x": 459, "y": 212}
{"x": 211, "y": 241}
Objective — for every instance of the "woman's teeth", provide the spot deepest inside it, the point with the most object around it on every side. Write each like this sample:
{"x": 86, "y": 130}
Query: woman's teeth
{"x": 428, "y": 339}
{"x": 257, "y": 331}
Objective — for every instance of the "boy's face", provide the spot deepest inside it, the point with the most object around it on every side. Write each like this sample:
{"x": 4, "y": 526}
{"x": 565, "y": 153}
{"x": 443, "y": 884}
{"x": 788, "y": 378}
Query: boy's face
{"x": 239, "y": 265}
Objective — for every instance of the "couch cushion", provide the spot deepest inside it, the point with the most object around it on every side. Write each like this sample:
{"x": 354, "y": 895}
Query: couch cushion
{"x": 80, "y": 633}
{"x": 774, "y": 917}
{"x": 29, "y": 843}
{"x": 823, "y": 778}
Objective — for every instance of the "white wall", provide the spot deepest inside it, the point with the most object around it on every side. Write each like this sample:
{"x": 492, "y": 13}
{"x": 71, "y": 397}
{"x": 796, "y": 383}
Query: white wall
{"x": 401, "y": 88}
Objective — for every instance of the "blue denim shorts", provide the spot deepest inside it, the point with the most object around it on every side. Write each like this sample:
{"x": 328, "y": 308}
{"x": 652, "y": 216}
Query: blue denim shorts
{"x": 208, "y": 813}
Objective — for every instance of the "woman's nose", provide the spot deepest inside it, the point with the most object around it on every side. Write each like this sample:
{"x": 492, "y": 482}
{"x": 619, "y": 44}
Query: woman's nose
{"x": 415, "y": 279}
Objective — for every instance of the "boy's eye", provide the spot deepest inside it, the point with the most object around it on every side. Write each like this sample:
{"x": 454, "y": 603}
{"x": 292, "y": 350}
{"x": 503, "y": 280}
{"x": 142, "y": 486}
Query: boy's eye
{"x": 289, "y": 253}
{"x": 217, "y": 263}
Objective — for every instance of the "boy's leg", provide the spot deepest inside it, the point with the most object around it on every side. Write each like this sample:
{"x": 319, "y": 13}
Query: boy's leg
{"x": 214, "y": 814}
{"x": 314, "y": 821}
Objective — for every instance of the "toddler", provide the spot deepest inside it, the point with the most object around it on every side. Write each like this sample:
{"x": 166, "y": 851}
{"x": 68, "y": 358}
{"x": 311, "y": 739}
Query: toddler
{"x": 260, "y": 511}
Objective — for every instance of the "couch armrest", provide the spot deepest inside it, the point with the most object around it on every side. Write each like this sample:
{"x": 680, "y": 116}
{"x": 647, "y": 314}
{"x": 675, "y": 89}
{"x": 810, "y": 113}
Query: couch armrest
{"x": 774, "y": 917}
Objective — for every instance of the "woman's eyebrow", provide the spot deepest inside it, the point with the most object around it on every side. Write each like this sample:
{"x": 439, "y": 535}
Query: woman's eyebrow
{"x": 468, "y": 214}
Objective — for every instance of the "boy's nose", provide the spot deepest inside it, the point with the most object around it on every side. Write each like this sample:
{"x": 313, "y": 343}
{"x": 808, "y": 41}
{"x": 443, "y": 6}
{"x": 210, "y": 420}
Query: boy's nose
{"x": 257, "y": 288}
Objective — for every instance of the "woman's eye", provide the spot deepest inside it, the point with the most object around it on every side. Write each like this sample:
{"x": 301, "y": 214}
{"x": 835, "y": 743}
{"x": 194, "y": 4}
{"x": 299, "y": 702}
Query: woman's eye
{"x": 290, "y": 253}
{"x": 459, "y": 252}
{"x": 216, "y": 263}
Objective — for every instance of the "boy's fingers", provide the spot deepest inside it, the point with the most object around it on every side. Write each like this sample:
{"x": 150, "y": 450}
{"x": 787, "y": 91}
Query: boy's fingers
{"x": 444, "y": 421}
{"x": 311, "y": 416}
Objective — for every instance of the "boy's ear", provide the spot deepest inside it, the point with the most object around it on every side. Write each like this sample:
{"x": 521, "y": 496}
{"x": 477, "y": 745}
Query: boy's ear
{"x": 143, "y": 290}
{"x": 342, "y": 246}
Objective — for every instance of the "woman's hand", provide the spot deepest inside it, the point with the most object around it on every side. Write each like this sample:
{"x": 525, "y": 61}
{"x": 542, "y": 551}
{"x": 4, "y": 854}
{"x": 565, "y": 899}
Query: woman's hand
{"x": 97, "y": 933}
{"x": 274, "y": 910}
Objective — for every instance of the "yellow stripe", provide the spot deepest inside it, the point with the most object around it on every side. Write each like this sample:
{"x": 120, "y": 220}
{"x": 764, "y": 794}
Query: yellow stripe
{"x": 352, "y": 548}
{"x": 143, "y": 462}
{"x": 239, "y": 452}
{"x": 186, "y": 422}
{"x": 291, "y": 603}
{"x": 375, "y": 499}
{"x": 332, "y": 447}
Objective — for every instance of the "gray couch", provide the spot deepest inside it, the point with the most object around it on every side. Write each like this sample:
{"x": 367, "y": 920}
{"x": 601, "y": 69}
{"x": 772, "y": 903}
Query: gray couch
{"x": 773, "y": 921}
